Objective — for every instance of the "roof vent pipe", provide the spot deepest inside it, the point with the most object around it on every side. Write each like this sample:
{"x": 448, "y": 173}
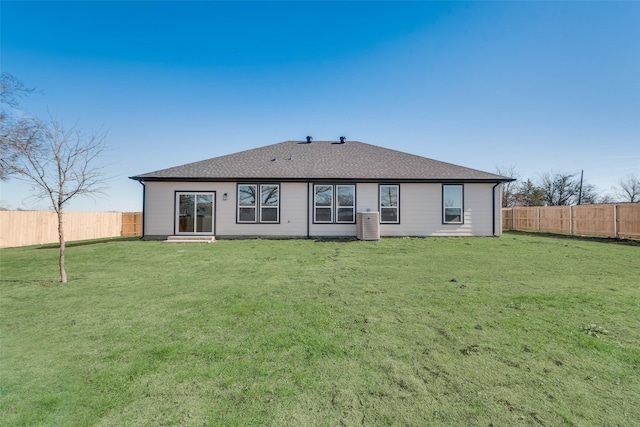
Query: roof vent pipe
{"x": 309, "y": 140}
{"x": 342, "y": 138}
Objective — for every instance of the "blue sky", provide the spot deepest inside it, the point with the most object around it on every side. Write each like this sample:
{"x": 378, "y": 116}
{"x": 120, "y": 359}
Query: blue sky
{"x": 541, "y": 86}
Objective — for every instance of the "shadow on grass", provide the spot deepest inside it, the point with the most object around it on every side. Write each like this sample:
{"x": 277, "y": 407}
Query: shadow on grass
{"x": 610, "y": 240}
{"x": 335, "y": 239}
{"x": 45, "y": 283}
{"x": 91, "y": 242}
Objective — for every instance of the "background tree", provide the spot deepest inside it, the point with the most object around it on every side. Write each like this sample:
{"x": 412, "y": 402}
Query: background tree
{"x": 509, "y": 189}
{"x": 628, "y": 188}
{"x": 590, "y": 195}
{"x": 560, "y": 188}
{"x": 527, "y": 193}
{"x": 11, "y": 88}
{"x": 16, "y": 127}
{"x": 606, "y": 198}
{"x": 58, "y": 163}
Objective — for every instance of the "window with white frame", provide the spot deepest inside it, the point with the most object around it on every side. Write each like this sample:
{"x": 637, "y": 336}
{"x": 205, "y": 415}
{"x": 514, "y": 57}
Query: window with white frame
{"x": 258, "y": 203}
{"x": 452, "y": 200}
{"x": 389, "y": 204}
{"x": 334, "y": 204}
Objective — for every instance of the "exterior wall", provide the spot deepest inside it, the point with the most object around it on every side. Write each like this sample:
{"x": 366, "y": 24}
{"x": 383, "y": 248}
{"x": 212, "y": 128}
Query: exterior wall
{"x": 420, "y": 211}
{"x": 159, "y": 210}
{"x": 478, "y": 213}
{"x": 333, "y": 230}
{"x": 293, "y": 215}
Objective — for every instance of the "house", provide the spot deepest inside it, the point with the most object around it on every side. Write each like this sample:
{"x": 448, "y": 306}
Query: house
{"x": 300, "y": 189}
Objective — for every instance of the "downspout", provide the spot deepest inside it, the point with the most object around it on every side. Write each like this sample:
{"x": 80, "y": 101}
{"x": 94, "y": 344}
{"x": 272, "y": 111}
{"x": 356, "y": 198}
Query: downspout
{"x": 308, "y": 218}
{"x": 144, "y": 202}
{"x": 493, "y": 207}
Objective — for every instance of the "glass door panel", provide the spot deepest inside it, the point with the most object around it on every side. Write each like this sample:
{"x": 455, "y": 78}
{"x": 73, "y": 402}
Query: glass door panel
{"x": 186, "y": 213}
{"x": 204, "y": 207}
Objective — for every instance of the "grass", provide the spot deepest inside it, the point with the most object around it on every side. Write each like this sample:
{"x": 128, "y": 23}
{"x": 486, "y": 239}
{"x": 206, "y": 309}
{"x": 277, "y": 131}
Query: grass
{"x": 521, "y": 330}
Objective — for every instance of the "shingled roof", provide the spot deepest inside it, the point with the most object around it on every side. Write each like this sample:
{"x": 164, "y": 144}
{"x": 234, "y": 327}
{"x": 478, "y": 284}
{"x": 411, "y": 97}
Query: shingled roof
{"x": 320, "y": 160}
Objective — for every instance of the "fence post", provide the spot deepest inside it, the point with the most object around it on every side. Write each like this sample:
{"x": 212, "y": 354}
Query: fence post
{"x": 571, "y": 220}
{"x": 615, "y": 221}
{"x": 538, "y": 219}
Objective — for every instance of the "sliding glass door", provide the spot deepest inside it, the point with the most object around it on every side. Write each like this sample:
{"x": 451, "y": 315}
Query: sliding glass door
{"x": 194, "y": 213}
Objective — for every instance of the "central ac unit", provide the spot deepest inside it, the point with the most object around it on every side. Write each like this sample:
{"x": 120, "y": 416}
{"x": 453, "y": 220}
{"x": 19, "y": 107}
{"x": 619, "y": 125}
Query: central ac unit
{"x": 368, "y": 226}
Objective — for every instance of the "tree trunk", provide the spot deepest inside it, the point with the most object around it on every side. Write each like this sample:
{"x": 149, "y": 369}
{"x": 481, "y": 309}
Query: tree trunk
{"x": 63, "y": 273}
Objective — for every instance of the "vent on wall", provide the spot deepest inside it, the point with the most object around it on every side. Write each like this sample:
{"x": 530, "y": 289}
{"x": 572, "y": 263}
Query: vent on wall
{"x": 368, "y": 226}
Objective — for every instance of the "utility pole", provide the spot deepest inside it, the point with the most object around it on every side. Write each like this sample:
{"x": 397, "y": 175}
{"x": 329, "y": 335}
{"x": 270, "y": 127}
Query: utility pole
{"x": 580, "y": 191}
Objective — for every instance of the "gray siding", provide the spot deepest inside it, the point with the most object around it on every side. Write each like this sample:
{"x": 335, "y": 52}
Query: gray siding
{"x": 420, "y": 211}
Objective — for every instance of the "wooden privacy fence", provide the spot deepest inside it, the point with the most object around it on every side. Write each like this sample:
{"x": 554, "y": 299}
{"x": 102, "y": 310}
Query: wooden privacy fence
{"x": 131, "y": 224}
{"x": 610, "y": 220}
{"x": 23, "y": 228}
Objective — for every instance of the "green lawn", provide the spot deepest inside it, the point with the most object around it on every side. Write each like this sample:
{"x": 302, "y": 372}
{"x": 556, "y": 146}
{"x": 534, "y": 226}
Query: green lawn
{"x": 520, "y": 330}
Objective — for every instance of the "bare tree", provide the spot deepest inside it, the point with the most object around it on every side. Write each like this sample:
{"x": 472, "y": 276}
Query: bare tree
{"x": 509, "y": 189}
{"x": 11, "y": 88}
{"x": 58, "y": 163}
{"x": 528, "y": 193}
{"x": 16, "y": 127}
{"x": 560, "y": 188}
{"x": 590, "y": 195}
{"x": 628, "y": 188}
{"x": 606, "y": 198}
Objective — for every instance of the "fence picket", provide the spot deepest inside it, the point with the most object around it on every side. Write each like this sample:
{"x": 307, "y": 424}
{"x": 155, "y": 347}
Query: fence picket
{"x": 605, "y": 220}
{"x": 23, "y": 228}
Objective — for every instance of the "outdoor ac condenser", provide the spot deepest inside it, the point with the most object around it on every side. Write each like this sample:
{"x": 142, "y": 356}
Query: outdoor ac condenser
{"x": 368, "y": 226}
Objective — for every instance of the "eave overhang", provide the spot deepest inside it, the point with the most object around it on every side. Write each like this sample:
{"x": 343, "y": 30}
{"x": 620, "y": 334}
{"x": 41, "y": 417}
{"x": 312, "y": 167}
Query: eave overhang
{"x": 323, "y": 179}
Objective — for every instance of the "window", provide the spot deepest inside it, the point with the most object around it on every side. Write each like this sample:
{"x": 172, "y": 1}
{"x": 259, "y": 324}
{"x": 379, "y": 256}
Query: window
{"x": 247, "y": 203}
{"x": 452, "y": 196}
{"x": 346, "y": 203}
{"x": 269, "y": 203}
{"x": 266, "y": 203}
{"x": 389, "y": 204}
{"x": 323, "y": 203}
{"x": 334, "y": 204}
